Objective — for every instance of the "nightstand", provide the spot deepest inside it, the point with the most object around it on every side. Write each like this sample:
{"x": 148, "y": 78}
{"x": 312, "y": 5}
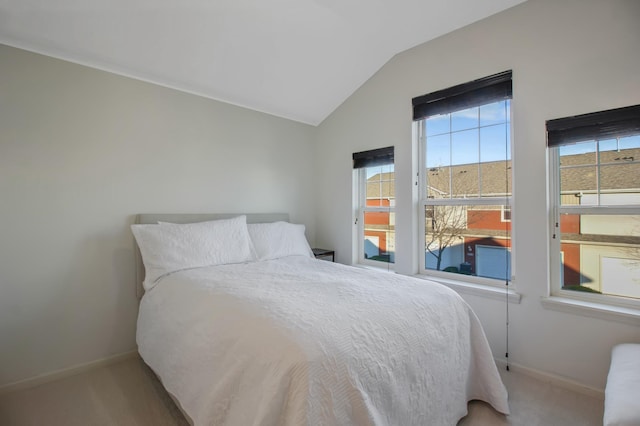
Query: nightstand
{"x": 324, "y": 254}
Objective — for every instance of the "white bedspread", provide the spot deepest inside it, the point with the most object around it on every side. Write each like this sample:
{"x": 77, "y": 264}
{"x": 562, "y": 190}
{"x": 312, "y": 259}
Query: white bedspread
{"x": 299, "y": 341}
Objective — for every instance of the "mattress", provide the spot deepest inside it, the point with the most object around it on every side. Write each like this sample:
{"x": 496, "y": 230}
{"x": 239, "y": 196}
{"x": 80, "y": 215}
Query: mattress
{"x": 300, "y": 341}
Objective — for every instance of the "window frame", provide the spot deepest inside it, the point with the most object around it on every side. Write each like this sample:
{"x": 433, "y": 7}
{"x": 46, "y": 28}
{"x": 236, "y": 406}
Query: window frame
{"x": 504, "y": 212}
{"x": 362, "y": 161}
{"x": 556, "y": 270}
{"x": 423, "y": 202}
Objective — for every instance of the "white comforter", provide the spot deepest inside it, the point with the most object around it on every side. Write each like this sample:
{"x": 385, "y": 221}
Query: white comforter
{"x": 299, "y": 341}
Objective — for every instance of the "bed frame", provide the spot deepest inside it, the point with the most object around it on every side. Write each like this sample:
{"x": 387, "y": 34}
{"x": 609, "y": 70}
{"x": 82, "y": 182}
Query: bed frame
{"x": 152, "y": 218}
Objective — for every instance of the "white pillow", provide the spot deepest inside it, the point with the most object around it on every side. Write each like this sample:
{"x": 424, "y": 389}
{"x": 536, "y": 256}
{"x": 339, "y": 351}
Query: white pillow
{"x": 278, "y": 239}
{"x": 171, "y": 247}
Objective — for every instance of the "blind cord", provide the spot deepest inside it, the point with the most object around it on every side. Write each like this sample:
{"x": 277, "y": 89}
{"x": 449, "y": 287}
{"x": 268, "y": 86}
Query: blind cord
{"x": 508, "y": 239}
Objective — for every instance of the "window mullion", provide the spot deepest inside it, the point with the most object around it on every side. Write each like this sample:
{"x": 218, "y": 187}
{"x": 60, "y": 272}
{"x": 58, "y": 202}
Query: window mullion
{"x": 598, "y": 173}
{"x": 479, "y": 156}
{"x": 378, "y": 209}
{"x": 600, "y": 210}
{"x": 555, "y": 261}
{"x": 450, "y": 156}
{"x": 488, "y": 201}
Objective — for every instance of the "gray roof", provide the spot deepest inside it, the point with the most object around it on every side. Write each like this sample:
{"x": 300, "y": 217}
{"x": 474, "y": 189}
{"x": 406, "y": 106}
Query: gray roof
{"x": 619, "y": 170}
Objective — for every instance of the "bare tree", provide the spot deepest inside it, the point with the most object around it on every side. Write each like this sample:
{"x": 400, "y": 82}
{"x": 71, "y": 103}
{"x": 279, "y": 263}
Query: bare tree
{"x": 445, "y": 225}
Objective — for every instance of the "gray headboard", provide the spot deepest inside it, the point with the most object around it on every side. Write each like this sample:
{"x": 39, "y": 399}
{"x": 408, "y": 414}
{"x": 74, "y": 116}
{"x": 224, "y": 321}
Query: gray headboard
{"x": 151, "y": 218}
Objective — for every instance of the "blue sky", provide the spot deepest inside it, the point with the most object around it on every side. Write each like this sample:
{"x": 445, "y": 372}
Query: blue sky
{"x": 605, "y": 145}
{"x": 472, "y": 135}
{"x": 371, "y": 171}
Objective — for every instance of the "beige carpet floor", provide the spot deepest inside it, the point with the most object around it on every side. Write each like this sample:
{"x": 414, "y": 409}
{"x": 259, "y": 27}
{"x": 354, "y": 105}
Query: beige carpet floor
{"x": 127, "y": 393}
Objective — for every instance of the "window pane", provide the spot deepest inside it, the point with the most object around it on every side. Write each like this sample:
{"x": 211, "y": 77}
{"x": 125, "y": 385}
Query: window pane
{"x": 379, "y": 236}
{"x": 578, "y": 185}
{"x": 494, "y": 113}
{"x": 495, "y": 143}
{"x": 578, "y": 154}
{"x": 607, "y": 145}
{"x": 464, "y": 181}
{"x": 613, "y": 179}
{"x": 473, "y": 161}
{"x": 619, "y": 182}
{"x": 464, "y": 147}
{"x": 439, "y": 182}
{"x": 630, "y": 142}
{"x": 438, "y": 151}
{"x": 601, "y": 254}
{"x": 379, "y": 226}
{"x": 495, "y": 179}
{"x": 470, "y": 240}
{"x": 465, "y": 119}
{"x": 380, "y": 186}
{"x": 438, "y": 124}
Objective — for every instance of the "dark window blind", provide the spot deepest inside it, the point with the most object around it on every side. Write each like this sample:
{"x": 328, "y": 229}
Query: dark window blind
{"x": 601, "y": 125}
{"x": 374, "y": 157}
{"x": 485, "y": 90}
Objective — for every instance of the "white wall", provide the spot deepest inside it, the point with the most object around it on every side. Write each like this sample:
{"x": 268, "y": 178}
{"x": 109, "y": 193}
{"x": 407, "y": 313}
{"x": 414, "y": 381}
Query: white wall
{"x": 81, "y": 152}
{"x": 568, "y": 57}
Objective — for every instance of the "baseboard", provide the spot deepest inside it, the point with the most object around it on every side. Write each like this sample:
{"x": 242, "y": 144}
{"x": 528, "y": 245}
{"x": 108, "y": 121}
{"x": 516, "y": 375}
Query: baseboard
{"x": 501, "y": 363}
{"x": 66, "y": 372}
{"x": 553, "y": 379}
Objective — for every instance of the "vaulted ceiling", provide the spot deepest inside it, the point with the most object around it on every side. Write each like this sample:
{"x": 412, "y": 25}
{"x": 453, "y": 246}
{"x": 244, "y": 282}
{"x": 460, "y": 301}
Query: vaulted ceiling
{"x": 297, "y": 59}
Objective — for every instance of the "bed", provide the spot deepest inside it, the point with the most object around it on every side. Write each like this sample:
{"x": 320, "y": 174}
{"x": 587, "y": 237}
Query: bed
{"x": 274, "y": 336}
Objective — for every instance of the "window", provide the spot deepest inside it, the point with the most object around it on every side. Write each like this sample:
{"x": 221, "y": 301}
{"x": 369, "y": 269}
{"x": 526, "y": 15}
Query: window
{"x": 595, "y": 199}
{"x": 464, "y": 137}
{"x": 376, "y": 206}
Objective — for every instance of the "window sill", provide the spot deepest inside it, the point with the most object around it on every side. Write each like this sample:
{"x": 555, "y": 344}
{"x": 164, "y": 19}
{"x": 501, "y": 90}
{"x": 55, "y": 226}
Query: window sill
{"x": 476, "y": 289}
{"x": 591, "y": 309}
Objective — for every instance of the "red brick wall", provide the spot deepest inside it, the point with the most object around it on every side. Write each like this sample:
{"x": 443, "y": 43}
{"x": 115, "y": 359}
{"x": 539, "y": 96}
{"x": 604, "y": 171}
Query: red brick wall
{"x": 486, "y": 219}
